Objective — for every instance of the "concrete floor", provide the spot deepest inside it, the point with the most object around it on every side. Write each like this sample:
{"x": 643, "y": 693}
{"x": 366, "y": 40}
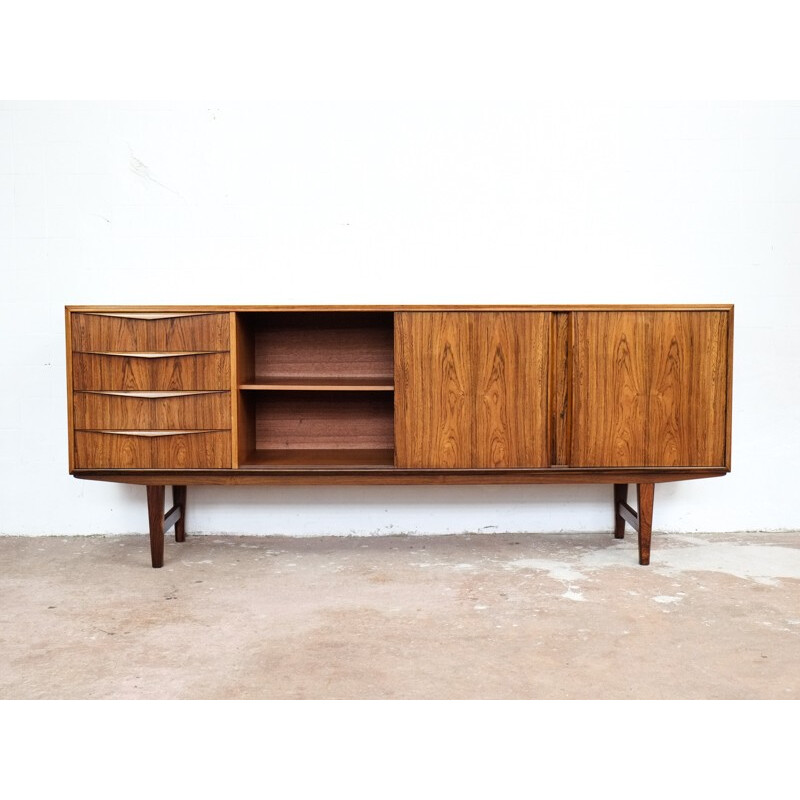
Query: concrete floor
{"x": 470, "y": 616}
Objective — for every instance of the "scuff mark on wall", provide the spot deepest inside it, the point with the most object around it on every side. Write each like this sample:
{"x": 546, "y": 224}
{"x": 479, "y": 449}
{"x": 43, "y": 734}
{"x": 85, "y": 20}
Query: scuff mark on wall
{"x": 141, "y": 170}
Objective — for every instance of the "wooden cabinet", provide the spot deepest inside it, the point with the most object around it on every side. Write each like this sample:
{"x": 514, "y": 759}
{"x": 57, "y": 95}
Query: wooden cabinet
{"x": 366, "y": 395}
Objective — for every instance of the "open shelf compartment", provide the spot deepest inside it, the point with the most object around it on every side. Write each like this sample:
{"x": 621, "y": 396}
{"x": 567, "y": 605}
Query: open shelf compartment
{"x": 330, "y": 349}
{"x": 301, "y": 428}
{"x": 315, "y": 389}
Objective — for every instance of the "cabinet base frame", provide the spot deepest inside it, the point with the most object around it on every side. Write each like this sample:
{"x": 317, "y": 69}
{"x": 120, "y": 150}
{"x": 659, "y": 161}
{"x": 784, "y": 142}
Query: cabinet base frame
{"x": 641, "y": 521}
{"x": 161, "y": 522}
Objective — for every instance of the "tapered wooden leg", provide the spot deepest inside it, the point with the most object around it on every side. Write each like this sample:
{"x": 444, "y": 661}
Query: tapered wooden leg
{"x": 620, "y": 496}
{"x": 179, "y": 502}
{"x": 644, "y": 492}
{"x": 155, "y": 511}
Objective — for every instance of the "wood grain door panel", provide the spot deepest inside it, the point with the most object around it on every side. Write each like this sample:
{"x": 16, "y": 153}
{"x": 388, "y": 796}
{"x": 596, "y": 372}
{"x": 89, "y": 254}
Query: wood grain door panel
{"x": 152, "y": 410}
{"x": 471, "y": 389}
{"x": 434, "y": 393}
{"x": 649, "y": 388}
{"x": 143, "y": 450}
{"x": 609, "y": 389}
{"x": 511, "y": 354}
{"x": 130, "y": 372}
{"x": 150, "y": 332}
{"x": 688, "y": 389}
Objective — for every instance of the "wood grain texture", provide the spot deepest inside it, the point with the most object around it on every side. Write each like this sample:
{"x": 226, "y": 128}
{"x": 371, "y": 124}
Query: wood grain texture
{"x": 92, "y": 332}
{"x": 123, "y": 373}
{"x": 434, "y": 390}
{"x": 130, "y": 411}
{"x": 511, "y": 352}
{"x": 649, "y": 389}
{"x": 688, "y": 387}
{"x": 609, "y": 389}
{"x": 472, "y": 390}
{"x": 320, "y": 421}
{"x": 179, "y": 451}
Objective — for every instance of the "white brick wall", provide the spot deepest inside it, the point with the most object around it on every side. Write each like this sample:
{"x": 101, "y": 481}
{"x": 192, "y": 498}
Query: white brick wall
{"x": 361, "y": 203}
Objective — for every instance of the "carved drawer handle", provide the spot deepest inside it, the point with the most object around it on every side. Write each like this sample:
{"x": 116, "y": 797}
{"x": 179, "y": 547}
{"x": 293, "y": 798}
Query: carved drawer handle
{"x": 153, "y": 434}
{"x": 175, "y": 354}
{"x": 147, "y": 315}
{"x": 154, "y": 395}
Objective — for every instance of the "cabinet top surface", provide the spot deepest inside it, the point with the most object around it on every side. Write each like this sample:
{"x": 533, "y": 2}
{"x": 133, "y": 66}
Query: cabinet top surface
{"x": 389, "y": 308}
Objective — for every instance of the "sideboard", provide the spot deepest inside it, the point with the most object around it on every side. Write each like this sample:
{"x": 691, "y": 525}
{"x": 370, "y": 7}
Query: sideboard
{"x": 180, "y": 395}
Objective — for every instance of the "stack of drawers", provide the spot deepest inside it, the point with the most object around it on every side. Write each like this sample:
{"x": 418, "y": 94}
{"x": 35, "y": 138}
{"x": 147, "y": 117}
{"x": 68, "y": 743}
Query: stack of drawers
{"x": 151, "y": 390}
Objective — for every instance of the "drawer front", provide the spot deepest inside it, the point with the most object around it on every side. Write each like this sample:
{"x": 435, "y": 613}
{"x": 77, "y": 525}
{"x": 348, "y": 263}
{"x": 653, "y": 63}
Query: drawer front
{"x": 129, "y": 373}
{"x": 153, "y": 450}
{"x": 150, "y": 332}
{"x": 152, "y": 410}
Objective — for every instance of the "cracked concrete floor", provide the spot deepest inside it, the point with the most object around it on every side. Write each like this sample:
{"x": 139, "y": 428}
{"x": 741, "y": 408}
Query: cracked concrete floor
{"x": 469, "y": 616}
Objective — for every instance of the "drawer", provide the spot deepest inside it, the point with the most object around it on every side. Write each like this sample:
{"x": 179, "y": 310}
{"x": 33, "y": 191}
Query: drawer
{"x": 152, "y": 410}
{"x": 129, "y": 372}
{"x": 153, "y": 450}
{"x": 150, "y": 332}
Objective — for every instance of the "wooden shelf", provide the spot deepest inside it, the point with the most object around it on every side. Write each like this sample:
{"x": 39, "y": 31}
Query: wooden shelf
{"x": 340, "y": 457}
{"x": 320, "y": 384}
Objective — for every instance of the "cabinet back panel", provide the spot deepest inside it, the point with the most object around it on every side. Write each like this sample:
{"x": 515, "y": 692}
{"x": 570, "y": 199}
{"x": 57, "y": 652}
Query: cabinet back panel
{"x": 323, "y": 420}
{"x": 321, "y": 345}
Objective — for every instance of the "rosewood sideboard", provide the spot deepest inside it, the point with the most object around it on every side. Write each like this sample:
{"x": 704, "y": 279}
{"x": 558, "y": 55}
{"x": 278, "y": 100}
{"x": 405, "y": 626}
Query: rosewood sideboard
{"x": 179, "y": 395}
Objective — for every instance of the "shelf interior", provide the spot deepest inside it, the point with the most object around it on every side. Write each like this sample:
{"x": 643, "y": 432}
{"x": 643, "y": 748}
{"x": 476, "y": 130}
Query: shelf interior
{"x": 315, "y": 389}
{"x": 328, "y": 425}
{"x": 323, "y": 346}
